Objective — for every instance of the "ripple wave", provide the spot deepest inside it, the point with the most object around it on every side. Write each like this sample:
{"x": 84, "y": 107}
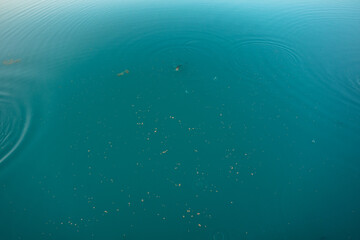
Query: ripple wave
{"x": 14, "y": 124}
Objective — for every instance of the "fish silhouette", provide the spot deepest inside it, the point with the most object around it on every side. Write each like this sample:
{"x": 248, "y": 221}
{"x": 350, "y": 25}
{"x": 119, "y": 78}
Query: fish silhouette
{"x": 178, "y": 68}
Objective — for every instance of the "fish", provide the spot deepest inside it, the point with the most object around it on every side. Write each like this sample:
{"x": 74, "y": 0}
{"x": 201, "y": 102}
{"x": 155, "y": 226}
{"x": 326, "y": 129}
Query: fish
{"x": 123, "y": 72}
{"x": 11, "y": 61}
{"x": 178, "y": 68}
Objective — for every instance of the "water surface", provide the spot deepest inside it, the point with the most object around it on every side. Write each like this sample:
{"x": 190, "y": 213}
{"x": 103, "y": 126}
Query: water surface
{"x": 255, "y": 137}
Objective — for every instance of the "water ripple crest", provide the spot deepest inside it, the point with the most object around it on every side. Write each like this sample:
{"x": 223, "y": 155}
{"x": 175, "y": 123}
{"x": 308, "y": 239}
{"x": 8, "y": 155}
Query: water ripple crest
{"x": 15, "y": 118}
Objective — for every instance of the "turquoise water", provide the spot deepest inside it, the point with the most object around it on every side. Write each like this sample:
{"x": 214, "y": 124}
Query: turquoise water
{"x": 256, "y": 136}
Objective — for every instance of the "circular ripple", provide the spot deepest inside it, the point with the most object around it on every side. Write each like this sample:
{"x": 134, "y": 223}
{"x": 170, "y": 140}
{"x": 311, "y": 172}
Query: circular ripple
{"x": 47, "y": 29}
{"x": 305, "y": 79}
{"x": 164, "y": 42}
{"x": 218, "y": 236}
{"x": 301, "y": 18}
{"x": 265, "y": 58}
{"x": 14, "y": 123}
{"x": 341, "y": 85}
{"x": 181, "y": 47}
{"x": 332, "y": 63}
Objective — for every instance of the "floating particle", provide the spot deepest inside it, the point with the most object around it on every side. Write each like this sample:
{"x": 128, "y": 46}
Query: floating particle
{"x": 11, "y": 61}
{"x": 163, "y": 152}
{"x": 123, "y": 73}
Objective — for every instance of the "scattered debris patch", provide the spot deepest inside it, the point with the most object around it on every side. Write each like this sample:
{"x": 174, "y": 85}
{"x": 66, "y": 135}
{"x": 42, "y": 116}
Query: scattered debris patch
{"x": 11, "y": 61}
{"x": 123, "y": 73}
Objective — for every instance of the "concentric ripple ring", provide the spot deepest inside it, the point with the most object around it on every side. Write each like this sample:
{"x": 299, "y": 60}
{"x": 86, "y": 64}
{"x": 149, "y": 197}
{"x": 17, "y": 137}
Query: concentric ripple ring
{"x": 14, "y": 124}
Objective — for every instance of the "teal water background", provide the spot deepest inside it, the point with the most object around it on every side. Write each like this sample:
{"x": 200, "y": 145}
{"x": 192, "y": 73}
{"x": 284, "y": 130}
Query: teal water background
{"x": 257, "y": 136}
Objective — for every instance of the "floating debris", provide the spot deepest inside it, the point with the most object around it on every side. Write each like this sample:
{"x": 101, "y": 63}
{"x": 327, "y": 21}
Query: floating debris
{"x": 163, "y": 152}
{"x": 123, "y": 73}
{"x": 178, "y": 68}
{"x": 11, "y": 61}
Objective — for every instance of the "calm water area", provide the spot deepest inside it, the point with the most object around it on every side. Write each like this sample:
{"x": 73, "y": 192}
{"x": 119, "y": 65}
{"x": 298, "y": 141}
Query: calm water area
{"x": 214, "y": 120}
